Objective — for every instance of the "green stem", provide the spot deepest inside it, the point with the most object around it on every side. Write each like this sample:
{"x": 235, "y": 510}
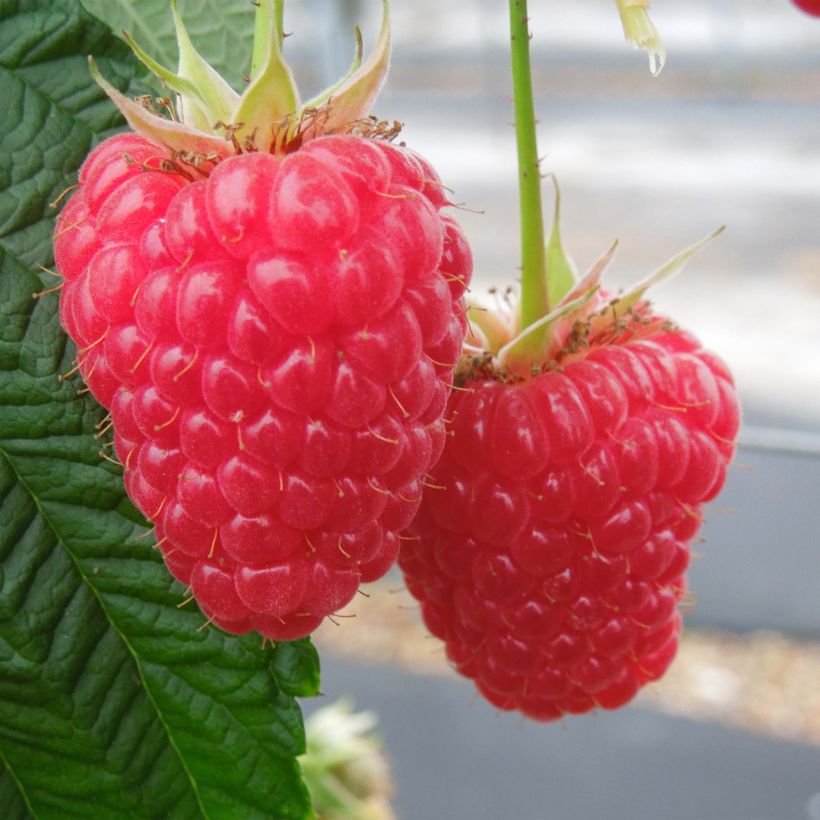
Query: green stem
{"x": 279, "y": 6}
{"x": 262, "y": 28}
{"x": 534, "y": 291}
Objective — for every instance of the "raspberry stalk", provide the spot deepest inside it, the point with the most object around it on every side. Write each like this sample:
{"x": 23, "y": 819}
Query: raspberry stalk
{"x": 261, "y": 28}
{"x": 535, "y": 301}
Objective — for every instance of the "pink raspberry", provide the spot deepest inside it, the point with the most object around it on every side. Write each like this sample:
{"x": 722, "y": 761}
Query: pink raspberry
{"x": 274, "y": 336}
{"x": 553, "y": 560}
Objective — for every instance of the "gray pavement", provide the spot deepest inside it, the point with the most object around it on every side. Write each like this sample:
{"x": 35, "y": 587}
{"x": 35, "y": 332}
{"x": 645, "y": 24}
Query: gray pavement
{"x": 759, "y": 566}
{"x": 454, "y": 758}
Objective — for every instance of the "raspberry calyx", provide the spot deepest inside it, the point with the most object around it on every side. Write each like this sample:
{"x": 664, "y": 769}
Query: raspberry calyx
{"x": 212, "y": 121}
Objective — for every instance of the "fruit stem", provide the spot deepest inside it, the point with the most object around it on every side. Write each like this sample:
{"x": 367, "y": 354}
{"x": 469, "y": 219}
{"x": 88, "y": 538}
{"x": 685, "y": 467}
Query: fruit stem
{"x": 279, "y": 11}
{"x": 534, "y": 290}
{"x": 264, "y": 9}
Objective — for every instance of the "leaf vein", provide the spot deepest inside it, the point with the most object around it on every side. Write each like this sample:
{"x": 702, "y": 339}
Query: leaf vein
{"x": 17, "y": 782}
{"x": 123, "y": 638}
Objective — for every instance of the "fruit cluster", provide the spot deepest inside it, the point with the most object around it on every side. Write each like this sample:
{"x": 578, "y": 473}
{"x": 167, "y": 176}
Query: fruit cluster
{"x": 275, "y": 341}
{"x": 273, "y": 312}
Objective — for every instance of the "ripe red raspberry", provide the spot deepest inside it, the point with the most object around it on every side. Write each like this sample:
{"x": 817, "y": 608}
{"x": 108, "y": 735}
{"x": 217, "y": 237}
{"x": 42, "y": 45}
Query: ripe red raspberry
{"x": 275, "y": 344}
{"x": 272, "y": 320}
{"x": 553, "y": 560}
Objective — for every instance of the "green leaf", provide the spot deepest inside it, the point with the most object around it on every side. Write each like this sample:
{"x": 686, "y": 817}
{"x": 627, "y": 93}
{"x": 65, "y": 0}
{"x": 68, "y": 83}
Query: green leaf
{"x": 222, "y": 31}
{"x": 295, "y": 666}
{"x": 114, "y": 702}
{"x": 42, "y": 67}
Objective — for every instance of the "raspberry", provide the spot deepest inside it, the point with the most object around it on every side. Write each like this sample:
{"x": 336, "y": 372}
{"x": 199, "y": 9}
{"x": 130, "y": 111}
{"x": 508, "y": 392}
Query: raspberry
{"x": 264, "y": 337}
{"x": 553, "y": 560}
{"x": 585, "y": 434}
{"x": 809, "y": 6}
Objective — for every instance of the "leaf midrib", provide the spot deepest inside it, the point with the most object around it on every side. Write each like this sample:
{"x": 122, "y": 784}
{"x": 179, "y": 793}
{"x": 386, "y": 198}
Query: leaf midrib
{"x": 17, "y": 782}
{"x": 55, "y": 531}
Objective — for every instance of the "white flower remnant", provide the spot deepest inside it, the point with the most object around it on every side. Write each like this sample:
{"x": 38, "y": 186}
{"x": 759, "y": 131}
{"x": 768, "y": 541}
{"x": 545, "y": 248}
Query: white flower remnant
{"x": 640, "y": 32}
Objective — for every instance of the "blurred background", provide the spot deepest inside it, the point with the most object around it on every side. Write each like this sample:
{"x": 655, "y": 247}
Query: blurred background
{"x": 729, "y": 133}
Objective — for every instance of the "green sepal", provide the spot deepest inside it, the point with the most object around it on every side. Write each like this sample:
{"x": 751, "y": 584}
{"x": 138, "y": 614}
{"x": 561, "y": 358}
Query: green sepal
{"x": 354, "y": 67}
{"x": 344, "y": 767}
{"x": 592, "y": 278}
{"x": 666, "y": 271}
{"x": 193, "y": 103}
{"x": 267, "y": 15}
{"x": 173, "y": 135}
{"x": 268, "y": 116}
{"x": 529, "y": 347}
{"x": 271, "y": 97}
{"x": 353, "y": 99}
{"x": 218, "y": 97}
{"x": 494, "y": 331}
{"x": 560, "y": 270}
